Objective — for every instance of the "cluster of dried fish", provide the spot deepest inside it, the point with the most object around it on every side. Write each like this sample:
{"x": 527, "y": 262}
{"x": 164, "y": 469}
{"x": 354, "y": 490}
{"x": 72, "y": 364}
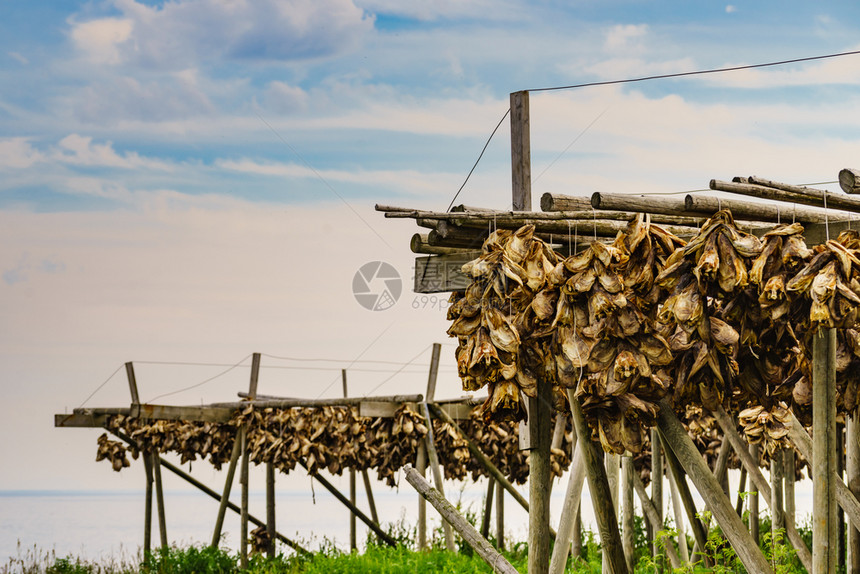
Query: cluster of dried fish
{"x": 498, "y": 320}
{"x": 115, "y": 452}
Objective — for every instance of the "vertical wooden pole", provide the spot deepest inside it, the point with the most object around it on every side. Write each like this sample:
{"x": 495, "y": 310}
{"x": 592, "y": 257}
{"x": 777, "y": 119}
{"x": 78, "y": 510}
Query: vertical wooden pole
{"x": 678, "y": 512}
{"x": 353, "y": 542}
{"x": 488, "y": 507}
{"x": 777, "y": 507}
{"x": 521, "y": 152}
{"x": 852, "y": 467}
{"x": 788, "y": 465}
{"x": 270, "y": 509}
{"x": 539, "y": 480}
{"x": 824, "y": 528}
{"x": 611, "y": 462}
{"x": 147, "y": 513}
{"x": 421, "y": 467}
{"x": 245, "y": 471}
{"x": 752, "y": 499}
{"x": 569, "y": 512}
{"x": 500, "y": 515}
{"x": 627, "y": 541}
{"x": 657, "y": 480}
{"x": 742, "y": 484}
{"x": 598, "y": 486}
{"x": 840, "y": 514}
{"x": 680, "y": 483}
{"x": 132, "y": 383}
{"x": 159, "y": 499}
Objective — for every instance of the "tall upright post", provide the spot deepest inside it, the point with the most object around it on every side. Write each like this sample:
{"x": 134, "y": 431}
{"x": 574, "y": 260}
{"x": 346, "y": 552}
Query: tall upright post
{"x": 840, "y": 514}
{"x": 656, "y": 480}
{"x": 147, "y": 466}
{"x": 353, "y": 542}
{"x": 627, "y": 540}
{"x": 611, "y": 461}
{"x": 752, "y": 499}
{"x": 270, "y": 509}
{"x": 824, "y": 527}
{"x": 852, "y": 467}
{"x": 777, "y": 506}
{"x": 245, "y": 471}
{"x": 500, "y": 516}
{"x": 159, "y": 498}
{"x": 421, "y": 467}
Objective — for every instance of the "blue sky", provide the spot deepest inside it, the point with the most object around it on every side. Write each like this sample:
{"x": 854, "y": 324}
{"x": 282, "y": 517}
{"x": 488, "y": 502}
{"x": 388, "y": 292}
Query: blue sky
{"x": 193, "y": 181}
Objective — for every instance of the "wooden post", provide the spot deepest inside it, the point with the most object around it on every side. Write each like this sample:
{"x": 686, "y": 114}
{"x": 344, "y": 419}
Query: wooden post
{"x": 132, "y": 383}
{"x": 421, "y": 464}
{"x": 370, "y": 502}
{"x": 245, "y": 471}
{"x": 653, "y": 517}
{"x": 159, "y": 499}
{"x": 852, "y": 467}
{"x": 788, "y": 489}
{"x": 824, "y": 528}
{"x": 484, "y": 549}
{"x": 678, "y": 513}
{"x": 598, "y": 486}
{"x": 353, "y": 542}
{"x": 627, "y": 541}
{"x": 488, "y": 507}
{"x": 228, "y": 486}
{"x": 777, "y": 507}
{"x": 521, "y": 152}
{"x": 656, "y": 483}
{"x": 752, "y": 498}
{"x": 742, "y": 484}
{"x": 500, "y": 515}
{"x": 270, "y": 508}
{"x": 680, "y": 483}
{"x": 611, "y": 462}
{"x": 569, "y": 512}
{"x": 840, "y": 514}
{"x": 147, "y": 513}
{"x": 576, "y": 535}
{"x": 539, "y": 479}
{"x": 688, "y": 456}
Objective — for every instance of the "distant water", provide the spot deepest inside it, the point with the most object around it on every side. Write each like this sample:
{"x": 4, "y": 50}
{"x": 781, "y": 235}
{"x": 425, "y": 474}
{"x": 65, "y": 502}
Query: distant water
{"x": 104, "y": 525}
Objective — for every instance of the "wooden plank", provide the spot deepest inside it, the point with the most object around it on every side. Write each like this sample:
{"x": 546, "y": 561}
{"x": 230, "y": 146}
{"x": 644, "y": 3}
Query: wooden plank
{"x": 598, "y": 486}
{"x": 824, "y": 529}
{"x": 245, "y": 487}
{"x": 441, "y": 273}
{"x": 683, "y": 448}
{"x": 80, "y": 420}
{"x": 433, "y": 373}
{"x": 852, "y": 467}
{"x": 561, "y": 202}
{"x": 484, "y": 549}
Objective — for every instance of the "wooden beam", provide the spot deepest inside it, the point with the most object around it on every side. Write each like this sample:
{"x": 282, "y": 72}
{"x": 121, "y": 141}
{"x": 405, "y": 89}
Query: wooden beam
{"x": 484, "y": 549}
{"x": 353, "y": 540}
{"x": 598, "y": 486}
{"x": 569, "y": 512}
{"x": 777, "y": 504}
{"x": 540, "y": 477}
{"x": 285, "y": 403}
{"x": 683, "y": 448}
{"x": 678, "y": 513}
{"x": 421, "y": 464}
{"x": 676, "y": 469}
{"x": 824, "y": 530}
{"x": 488, "y": 507}
{"x": 775, "y": 212}
{"x": 436, "y": 470}
{"x": 627, "y": 519}
{"x": 790, "y": 194}
{"x": 441, "y": 273}
{"x": 228, "y": 486}
{"x": 654, "y": 517}
{"x": 132, "y": 383}
{"x": 159, "y": 499}
{"x": 849, "y": 180}
{"x": 419, "y": 243}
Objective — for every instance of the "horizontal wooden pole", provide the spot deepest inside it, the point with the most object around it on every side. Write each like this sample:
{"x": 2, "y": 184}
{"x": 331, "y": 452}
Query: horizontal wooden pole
{"x": 419, "y": 244}
{"x": 335, "y": 402}
{"x": 484, "y": 549}
{"x": 762, "y": 211}
{"x": 791, "y": 194}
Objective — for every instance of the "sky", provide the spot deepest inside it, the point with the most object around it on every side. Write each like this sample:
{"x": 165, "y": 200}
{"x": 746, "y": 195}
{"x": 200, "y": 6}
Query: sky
{"x": 185, "y": 183}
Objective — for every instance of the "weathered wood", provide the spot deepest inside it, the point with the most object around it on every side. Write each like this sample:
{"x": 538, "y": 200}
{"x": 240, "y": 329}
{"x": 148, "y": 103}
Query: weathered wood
{"x": 777, "y": 504}
{"x": 844, "y": 497}
{"x": 584, "y": 227}
{"x": 441, "y": 273}
{"x": 824, "y": 530}
{"x": 721, "y": 466}
{"x": 627, "y": 541}
{"x": 611, "y": 462}
{"x": 638, "y": 203}
{"x": 419, "y": 244}
{"x": 561, "y": 202}
{"x": 777, "y": 212}
{"x": 228, "y": 485}
{"x": 678, "y": 513}
{"x": 488, "y": 507}
{"x": 369, "y": 491}
{"x": 484, "y": 549}
{"x": 159, "y": 500}
{"x": 421, "y": 464}
{"x": 683, "y": 448}
{"x": 540, "y": 478}
{"x": 841, "y": 535}
{"x": 380, "y": 533}
{"x": 654, "y": 517}
{"x": 742, "y": 484}
{"x": 353, "y": 534}
{"x": 676, "y": 470}
{"x": 569, "y": 512}
{"x": 447, "y": 234}
{"x": 286, "y": 403}
{"x": 132, "y": 383}
{"x": 147, "y": 512}
{"x": 436, "y": 470}
{"x": 433, "y": 374}
{"x": 852, "y": 467}
{"x": 270, "y": 508}
{"x": 788, "y": 479}
{"x": 790, "y": 194}
{"x": 521, "y": 161}
{"x": 849, "y": 180}
{"x": 656, "y": 484}
{"x": 576, "y": 535}
{"x": 598, "y": 486}
{"x": 245, "y": 488}
{"x": 500, "y": 515}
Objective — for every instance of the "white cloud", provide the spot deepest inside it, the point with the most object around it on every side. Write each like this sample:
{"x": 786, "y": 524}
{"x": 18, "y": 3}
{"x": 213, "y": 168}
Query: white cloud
{"x": 448, "y": 9}
{"x": 623, "y": 37}
{"x": 185, "y": 32}
{"x": 80, "y": 150}
{"x": 286, "y": 99}
{"x": 731, "y": 9}
{"x": 18, "y": 58}
{"x": 18, "y": 153}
